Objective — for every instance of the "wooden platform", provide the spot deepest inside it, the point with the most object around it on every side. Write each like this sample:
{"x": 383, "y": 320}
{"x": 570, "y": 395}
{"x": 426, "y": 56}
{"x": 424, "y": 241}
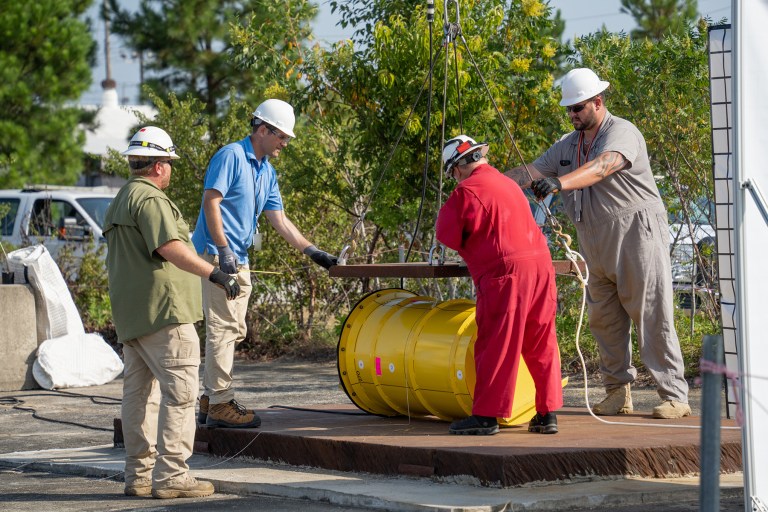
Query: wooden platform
{"x": 424, "y": 270}
{"x": 343, "y": 438}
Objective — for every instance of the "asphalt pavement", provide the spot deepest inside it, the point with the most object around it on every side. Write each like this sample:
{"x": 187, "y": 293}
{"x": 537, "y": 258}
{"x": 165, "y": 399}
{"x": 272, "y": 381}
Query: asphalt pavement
{"x": 79, "y": 421}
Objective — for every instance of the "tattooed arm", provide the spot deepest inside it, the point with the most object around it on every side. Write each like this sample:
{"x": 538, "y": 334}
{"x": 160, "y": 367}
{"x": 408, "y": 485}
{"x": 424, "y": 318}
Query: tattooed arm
{"x": 523, "y": 177}
{"x": 594, "y": 171}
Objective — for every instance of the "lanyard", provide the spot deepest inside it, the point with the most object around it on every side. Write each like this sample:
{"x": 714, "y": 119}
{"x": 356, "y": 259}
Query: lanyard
{"x": 256, "y": 174}
{"x": 581, "y": 146}
{"x": 577, "y": 194}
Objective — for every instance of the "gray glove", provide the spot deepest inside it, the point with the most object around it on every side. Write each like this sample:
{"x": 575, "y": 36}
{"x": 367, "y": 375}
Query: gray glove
{"x": 226, "y": 281}
{"x": 227, "y": 259}
{"x": 322, "y": 258}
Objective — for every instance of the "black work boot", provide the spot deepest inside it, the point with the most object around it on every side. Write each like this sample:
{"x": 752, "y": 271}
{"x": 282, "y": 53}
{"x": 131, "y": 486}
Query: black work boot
{"x": 475, "y": 425}
{"x": 543, "y": 423}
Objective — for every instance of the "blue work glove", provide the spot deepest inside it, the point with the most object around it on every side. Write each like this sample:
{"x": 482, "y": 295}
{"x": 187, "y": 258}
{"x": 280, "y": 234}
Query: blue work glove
{"x": 322, "y": 258}
{"x": 542, "y": 188}
{"x": 227, "y": 259}
{"x": 226, "y": 281}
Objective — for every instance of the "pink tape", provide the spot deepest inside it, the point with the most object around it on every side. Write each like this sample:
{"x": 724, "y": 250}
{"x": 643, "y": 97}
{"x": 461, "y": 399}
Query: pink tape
{"x": 378, "y": 366}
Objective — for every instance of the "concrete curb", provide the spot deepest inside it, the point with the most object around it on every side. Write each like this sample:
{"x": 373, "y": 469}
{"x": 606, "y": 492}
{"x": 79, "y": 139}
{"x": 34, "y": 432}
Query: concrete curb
{"x": 406, "y": 494}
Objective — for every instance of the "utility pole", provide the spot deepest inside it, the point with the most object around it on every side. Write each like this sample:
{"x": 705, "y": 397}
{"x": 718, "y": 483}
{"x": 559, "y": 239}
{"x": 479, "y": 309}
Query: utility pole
{"x": 107, "y": 83}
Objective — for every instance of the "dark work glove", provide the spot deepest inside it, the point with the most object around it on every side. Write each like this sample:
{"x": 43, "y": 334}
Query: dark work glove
{"x": 226, "y": 281}
{"x": 322, "y": 258}
{"x": 542, "y": 188}
{"x": 227, "y": 259}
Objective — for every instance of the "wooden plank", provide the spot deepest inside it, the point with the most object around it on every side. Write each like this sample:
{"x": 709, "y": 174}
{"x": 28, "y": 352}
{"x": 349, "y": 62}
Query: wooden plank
{"x": 424, "y": 270}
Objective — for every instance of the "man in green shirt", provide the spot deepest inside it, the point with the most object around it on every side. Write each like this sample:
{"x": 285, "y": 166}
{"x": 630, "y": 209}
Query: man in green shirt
{"x": 154, "y": 288}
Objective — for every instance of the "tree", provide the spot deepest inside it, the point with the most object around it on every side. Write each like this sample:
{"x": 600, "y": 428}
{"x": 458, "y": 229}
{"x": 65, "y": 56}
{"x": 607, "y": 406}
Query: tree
{"x": 659, "y": 18}
{"x": 46, "y": 54}
{"x": 362, "y": 102}
{"x": 187, "y": 46}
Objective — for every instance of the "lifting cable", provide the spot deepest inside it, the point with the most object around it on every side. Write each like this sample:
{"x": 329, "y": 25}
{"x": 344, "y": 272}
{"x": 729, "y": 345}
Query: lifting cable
{"x": 357, "y": 228}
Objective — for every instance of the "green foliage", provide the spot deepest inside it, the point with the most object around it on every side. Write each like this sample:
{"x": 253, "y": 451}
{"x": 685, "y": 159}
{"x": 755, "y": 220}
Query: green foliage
{"x": 363, "y": 102}
{"x": 82, "y": 266}
{"x": 657, "y": 19}
{"x": 192, "y": 48}
{"x": 45, "y": 57}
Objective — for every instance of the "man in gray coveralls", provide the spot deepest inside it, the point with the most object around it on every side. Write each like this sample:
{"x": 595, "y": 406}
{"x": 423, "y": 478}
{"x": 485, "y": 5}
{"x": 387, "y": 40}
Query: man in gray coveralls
{"x": 604, "y": 174}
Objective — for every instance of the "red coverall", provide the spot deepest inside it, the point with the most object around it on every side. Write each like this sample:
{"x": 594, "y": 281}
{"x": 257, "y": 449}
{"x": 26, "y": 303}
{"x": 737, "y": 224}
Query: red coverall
{"x": 488, "y": 220}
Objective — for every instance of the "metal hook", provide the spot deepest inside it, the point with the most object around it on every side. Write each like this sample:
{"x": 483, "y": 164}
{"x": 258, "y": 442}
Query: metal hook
{"x": 342, "y": 259}
{"x": 451, "y": 30}
{"x": 440, "y": 258}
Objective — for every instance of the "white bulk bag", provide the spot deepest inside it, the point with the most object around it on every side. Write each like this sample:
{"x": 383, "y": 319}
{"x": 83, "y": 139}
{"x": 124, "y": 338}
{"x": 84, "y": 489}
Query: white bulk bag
{"x": 57, "y": 314}
{"x": 75, "y": 360}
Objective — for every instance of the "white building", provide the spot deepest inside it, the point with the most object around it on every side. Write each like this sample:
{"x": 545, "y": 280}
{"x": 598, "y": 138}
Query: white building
{"x": 115, "y": 124}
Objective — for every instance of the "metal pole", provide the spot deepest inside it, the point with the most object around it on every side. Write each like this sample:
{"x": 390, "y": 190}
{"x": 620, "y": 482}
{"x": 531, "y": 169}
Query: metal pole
{"x": 711, "y": 390}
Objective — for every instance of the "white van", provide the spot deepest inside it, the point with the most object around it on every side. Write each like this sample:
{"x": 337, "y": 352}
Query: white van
{"x": 53, "y": 215}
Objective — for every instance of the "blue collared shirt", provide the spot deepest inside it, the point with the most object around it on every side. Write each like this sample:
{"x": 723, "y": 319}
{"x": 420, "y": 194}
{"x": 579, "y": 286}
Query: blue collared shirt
{"x": 248, "y": 187}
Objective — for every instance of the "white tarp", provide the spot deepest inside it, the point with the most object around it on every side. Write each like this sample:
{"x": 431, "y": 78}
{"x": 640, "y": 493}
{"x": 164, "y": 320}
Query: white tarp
{"x": 69, "y": 357}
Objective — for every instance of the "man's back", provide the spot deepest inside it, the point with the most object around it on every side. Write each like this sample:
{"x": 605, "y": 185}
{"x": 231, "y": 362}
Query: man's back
{"x": 487, "y": 219}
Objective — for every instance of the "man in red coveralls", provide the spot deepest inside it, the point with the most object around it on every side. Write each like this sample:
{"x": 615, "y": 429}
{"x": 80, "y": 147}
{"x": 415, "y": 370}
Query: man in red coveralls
{"x": 488, "y": 220}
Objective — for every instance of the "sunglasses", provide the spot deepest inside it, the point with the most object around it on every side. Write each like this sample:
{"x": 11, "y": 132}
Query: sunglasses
{"x": 282, "y": 137}
{"x": 169, "y": 162}
{"x": 577, "y": 108}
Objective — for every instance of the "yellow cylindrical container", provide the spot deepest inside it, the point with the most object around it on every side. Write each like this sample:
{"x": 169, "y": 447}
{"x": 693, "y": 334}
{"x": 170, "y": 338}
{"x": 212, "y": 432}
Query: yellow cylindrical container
{"x": 403, "y": 354}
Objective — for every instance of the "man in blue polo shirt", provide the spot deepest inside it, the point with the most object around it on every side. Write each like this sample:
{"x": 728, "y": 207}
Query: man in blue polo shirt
{"x": 240, "y": 185}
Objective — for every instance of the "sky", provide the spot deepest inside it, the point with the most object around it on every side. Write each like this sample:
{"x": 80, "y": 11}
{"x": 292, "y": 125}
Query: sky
{"x": 580, "y": 17}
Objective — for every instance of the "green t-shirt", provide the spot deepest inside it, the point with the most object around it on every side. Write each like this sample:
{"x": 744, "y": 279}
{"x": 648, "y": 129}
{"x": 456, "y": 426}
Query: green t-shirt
{"x": 147, "y": 292}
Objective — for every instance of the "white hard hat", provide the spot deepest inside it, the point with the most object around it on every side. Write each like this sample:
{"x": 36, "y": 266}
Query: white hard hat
{"x": 459, "y": 146}
{"x": 151, "y": 141}
{"x": 581, "y": 84}
{"x": 277, "y": 113}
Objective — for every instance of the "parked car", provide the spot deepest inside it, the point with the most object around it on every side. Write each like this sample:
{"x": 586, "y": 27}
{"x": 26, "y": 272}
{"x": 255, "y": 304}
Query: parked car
{"x": 693, "y": 276}
{"x": 53, "y": 215}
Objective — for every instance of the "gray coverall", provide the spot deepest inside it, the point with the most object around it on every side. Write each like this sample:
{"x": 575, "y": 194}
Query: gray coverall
{"x": 624, "y": 237}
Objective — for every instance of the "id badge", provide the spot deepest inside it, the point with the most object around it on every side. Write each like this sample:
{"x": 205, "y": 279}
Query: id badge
{"x": 256, "y": 241}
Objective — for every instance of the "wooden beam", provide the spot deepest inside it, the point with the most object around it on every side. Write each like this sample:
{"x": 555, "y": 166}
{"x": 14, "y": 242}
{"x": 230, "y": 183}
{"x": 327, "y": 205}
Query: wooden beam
{"x": 424, "y": 270}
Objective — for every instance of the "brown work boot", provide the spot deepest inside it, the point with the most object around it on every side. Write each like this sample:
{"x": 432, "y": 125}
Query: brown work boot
{"x": 188, "y": 487}
{"x": 231, "y": 415}
{"x": 139, "y": 487}
{"x": 202, "y": 415}
{"x": 618, "y": 401}
{"x": 670, "y": 410}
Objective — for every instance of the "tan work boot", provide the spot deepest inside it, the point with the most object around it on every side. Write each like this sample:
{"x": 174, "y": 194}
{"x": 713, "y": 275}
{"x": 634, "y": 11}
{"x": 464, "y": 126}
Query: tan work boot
{"x": 669, "y": 409}
{"x": 231, "y": 415}
{"x": 139, "y": 487}
{"x": 189, "y": 487}
{"x": 618, "y": 401}
{"x": 202, "y": 415}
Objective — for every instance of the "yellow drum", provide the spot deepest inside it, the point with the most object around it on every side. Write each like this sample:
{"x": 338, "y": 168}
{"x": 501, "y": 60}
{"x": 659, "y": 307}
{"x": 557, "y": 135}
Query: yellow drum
{"x": 403, "y": 354}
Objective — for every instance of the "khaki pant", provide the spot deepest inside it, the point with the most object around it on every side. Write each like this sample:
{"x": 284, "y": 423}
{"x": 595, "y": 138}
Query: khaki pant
{"x": 224, "y": 329}
{"x": 159, "y": 428}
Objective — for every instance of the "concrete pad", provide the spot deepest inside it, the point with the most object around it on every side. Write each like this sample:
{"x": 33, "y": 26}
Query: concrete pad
{"x": 246, "y": 477}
